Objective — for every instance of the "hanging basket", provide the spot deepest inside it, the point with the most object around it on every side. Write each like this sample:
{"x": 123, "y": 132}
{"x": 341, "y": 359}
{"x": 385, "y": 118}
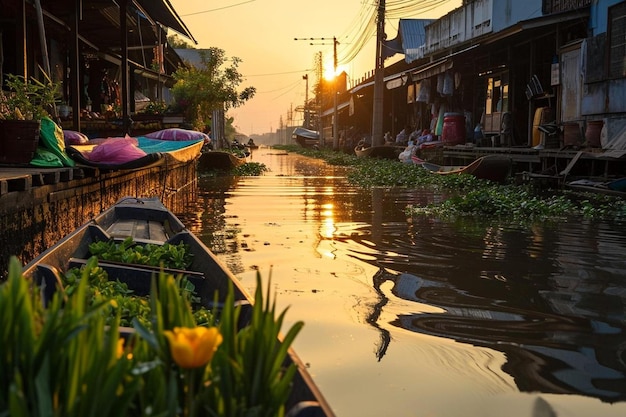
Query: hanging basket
{"x": 18, "y": 141}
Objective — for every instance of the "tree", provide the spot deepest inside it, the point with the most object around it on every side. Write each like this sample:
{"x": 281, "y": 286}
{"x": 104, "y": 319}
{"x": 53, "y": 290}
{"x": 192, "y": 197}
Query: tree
{"x": 229, "y": 129}
{"x": 177, "y": 43}
{"x": 208, "y": 86}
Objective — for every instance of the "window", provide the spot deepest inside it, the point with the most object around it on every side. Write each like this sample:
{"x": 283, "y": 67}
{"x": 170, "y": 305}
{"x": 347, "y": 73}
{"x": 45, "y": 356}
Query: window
{"x": 497, "y": 94}
{"x": 617, "y": 41}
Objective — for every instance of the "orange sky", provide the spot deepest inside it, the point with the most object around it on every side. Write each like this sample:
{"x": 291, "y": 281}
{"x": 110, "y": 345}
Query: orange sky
{"x": 262, "y": 32}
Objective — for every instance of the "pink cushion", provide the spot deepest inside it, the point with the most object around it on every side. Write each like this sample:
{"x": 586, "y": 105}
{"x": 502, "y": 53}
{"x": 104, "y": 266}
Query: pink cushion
{"x": 116, "y": 151}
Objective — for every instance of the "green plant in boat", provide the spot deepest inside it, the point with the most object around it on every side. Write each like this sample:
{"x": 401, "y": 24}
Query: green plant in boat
{"x": 128, "y": 251}
{"x": 66, "y": 360}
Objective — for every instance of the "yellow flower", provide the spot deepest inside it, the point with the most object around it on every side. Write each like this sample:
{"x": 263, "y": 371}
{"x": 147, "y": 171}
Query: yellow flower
{"x": 120, "y": 347}
{"x": 193, "y": 347}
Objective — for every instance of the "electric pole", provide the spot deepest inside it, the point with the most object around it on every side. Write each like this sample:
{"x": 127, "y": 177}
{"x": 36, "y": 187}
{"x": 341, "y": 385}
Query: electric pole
{"x": 335, "y": 81}
{"x": 379, "y": 75}
{"x": 335, "y": 43}
{"x": 306, "y": 101}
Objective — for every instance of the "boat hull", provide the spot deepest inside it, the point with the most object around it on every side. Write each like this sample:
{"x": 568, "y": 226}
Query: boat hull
{"x": 494, "y": 168}
{"x": 147, "y": 220}
{"x": 305, "y": 137}
{"x": 219, "y": 160}
{"x": 383, "y": 151}
{"x": 158, "y": 152}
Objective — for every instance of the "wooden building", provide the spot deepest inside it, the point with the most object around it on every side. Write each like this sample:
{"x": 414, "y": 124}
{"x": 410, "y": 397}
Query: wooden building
{"x": 510, "y": 66}
{"x": 111, "y": 56}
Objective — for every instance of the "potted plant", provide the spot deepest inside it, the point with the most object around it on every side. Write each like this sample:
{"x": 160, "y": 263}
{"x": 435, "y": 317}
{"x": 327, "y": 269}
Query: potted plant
{"x": 21, "y": 109}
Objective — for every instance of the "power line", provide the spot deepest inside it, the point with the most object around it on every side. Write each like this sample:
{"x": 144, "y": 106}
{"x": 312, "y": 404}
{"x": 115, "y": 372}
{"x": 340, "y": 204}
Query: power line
{"x": 214, "y": 10}
{"x": 278, "y": 73}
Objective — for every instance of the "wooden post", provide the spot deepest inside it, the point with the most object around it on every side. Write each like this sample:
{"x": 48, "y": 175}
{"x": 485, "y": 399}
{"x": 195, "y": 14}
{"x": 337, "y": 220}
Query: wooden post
{"x": 75, "y": 85}
{"x": 44, "y": 50}
{"x": 125, "y": 90}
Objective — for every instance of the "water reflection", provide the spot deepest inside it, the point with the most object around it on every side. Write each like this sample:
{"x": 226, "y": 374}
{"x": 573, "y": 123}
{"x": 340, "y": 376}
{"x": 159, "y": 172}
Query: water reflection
{"x": 426, "y": 309}
{"x": 560, "y": 324}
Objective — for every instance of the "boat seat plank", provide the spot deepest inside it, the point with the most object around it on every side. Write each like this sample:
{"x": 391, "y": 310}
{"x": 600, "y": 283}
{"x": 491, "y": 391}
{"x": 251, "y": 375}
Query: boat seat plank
{"x": 144, "y": 230}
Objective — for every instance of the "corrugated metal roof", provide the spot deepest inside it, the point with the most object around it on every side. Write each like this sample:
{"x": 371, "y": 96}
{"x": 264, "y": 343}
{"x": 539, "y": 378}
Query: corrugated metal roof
{"x": 410, "y": 39}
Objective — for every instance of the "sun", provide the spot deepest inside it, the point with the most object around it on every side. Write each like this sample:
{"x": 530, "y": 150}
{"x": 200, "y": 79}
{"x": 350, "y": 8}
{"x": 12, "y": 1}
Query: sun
{"x": 329, "y": 72}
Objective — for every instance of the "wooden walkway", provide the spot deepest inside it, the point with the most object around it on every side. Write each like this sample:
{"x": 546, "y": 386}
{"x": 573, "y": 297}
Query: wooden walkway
{"x": 25, "y": 178}
{"x": 588, "y": 162}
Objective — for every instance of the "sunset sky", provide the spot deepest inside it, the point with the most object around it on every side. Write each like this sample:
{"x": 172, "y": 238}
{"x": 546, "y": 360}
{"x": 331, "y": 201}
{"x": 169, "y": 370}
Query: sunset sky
{"x": 261, "y": 33}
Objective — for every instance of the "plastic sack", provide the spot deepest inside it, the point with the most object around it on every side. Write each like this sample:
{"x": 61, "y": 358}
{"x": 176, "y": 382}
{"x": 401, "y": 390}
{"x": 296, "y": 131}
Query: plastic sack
{"x": 424, "y": 93}
{"x": 440, "y": 79}
{"x": 448, "y": 84}
{"x": 116, "y": 151}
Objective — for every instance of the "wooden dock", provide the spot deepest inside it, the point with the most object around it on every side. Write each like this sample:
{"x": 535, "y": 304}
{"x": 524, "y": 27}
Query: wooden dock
{"x": 589, "y": 162}
{"x": 39, "y": 206}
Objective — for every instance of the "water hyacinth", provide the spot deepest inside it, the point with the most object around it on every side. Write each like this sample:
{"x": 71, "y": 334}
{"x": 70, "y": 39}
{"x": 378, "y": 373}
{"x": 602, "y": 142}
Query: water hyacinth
{"x": 467, "y": 195}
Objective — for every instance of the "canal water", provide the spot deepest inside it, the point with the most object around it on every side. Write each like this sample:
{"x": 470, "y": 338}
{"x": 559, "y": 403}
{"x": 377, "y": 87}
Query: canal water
{"x": 419, "y": 316}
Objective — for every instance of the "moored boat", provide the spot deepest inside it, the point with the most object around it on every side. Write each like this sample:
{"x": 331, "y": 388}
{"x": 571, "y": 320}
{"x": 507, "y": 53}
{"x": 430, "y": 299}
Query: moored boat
{"x": 151, "y": 152}
{"x": 148, "y": 221}
{"x": 615, "y": 187}
{"x": 305, "y": 137}
{"x": 219, "y": 161}
{"x": 381, "y": 151}
{"x": 489, "y": 167}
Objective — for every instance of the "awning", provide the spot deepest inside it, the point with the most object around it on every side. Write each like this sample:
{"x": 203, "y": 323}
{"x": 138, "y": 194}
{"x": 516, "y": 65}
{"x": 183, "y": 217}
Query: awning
{"x": 435, "y": 68}
{"x": 385, "y": 80}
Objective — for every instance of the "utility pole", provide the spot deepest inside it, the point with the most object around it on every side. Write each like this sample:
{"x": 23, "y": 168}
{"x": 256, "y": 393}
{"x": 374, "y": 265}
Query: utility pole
{"x": 379, "y": 75}
{"x": 335, "y": 89}
{"x": 306, "y": 101}
{"x": 335, "y": 43}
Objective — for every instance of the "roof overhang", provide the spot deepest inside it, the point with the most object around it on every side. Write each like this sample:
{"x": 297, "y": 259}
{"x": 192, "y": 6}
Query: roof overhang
{"x": 163, "y": 13}
{"x": 538, "y": 23}
{"x": 332, "y": 109}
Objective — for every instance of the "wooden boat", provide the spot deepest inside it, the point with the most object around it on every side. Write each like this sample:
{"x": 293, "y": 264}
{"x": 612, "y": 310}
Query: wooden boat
{"x": 157, "y": 152}
{"x": 494, "y": 168}
{"x": 219, "y": 161}
{"x": 147, "y": 220}
{"x": 305, "y": 137}
{"x": 381, "y": 151}
{"x": 616, "y": 188}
